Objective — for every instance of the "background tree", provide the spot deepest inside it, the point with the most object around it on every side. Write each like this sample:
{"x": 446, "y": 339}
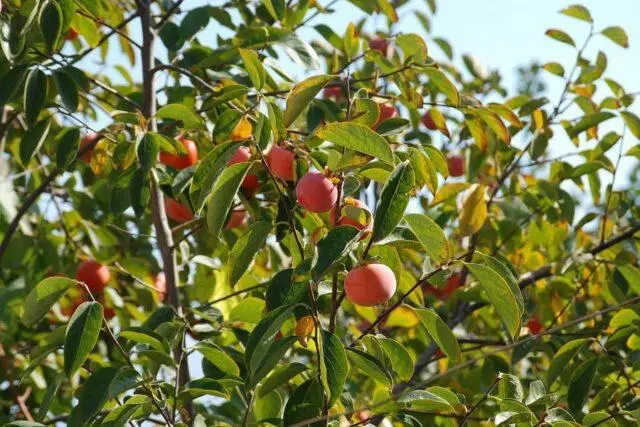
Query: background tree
{"x": 382, "y": 241}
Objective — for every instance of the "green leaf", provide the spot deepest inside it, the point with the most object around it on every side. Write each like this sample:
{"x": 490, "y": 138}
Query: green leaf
{"x": 334, "y": 366}
{"x": 510, "y": 387}
{"x": 181, "y": 113}
{"x": 413, "y": 45}
{"x": 147, "y": 151}
{"x": 218, "y": 358}
{"x": 357, "y": 137}
{"x": 616, "y": 35}
{"x": 431, "y": 236}
{"x": 561, "y": 36}
{"x": 301, "y": 95}
{"x": 33, "y": 140}
{"x": 42, "y": 297}
{"x": 263, "y": 335}
{"x": 52, "y": 391}
{"x": 401, "y": 360}
{"x": 146, "y": 336}
{"x": 277, "y": 8}
{"x": 11, "y": 83}
{"x": 370, "y": 366}
{"x": 268, "y": 407}
{"x": 501, "y": 296}
{"x": 305, "y": 402}
{"x": 563, "y": 356}
{"x": 272, "y": 357}
{"x": 578, "y": 11}
{"x": 632, "y": 275}
{"x": 246, "y": 248}
{"x": 254, "y": 67}
{"x": 554, "y": 68}
{"x": 50, "y": 22}
{"x": 440, "y": 333}
{"x": 82, "y": 335}
{"x": 425, "y": 400}
{"x": 632, "y": 121}
{"x": 249, "y": 310}
{"x": 221, "y": 197}
{"x": 283, "y": 291}
{"x": 589, "y": 121}
{"x": 504, "y": 271}
{"x": 35, "y": 94}
{"x": 208, "y": 172}
{"x": 393, "y": 201}
{"x": 581, "y": 383}
{"x": 203, "y": 387}
{"x": 93, "y": 394}
{"x": 140, "y": 191}
{"x": 442, "y": 82}
{"x": 68, "y": 90}
{"x": 335, "y": 245}
{"x": 280, "y": 376}
{"x": 68, "y": 146}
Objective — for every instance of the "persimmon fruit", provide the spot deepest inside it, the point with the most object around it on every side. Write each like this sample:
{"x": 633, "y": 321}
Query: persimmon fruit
{"x": 370, "y": 284}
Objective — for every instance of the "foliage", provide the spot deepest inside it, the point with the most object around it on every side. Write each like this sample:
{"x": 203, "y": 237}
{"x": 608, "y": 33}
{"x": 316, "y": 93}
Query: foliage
{"x": 218, "y": 299}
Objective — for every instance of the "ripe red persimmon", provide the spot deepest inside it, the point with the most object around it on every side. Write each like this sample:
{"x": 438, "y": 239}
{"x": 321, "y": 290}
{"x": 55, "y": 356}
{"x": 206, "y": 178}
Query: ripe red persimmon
{"x": 534, "y": 325}
{"x": 387, "y": 111}
{"x": 87, "y": 139}
{"x": 333, "y": 92}
{"x": 316, "y": 192}
{"x": 358, "y": 215}
{"x": 456, "y": 165}
{"x": 94, "y": 274}
{"x": 177, "y": 211}
{"x": 238, "y": 218}
{"x": 250, "y": 183}
{"x": 177, "y": 161}
{"x": 370, "y": 284}
{"x": 71, "y": 34}
{"x": 280, "y": 162}
{"x": 379, "y": 44}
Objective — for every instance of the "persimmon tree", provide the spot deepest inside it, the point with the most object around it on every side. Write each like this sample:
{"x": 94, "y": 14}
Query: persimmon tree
{"x": 209, "y": 219}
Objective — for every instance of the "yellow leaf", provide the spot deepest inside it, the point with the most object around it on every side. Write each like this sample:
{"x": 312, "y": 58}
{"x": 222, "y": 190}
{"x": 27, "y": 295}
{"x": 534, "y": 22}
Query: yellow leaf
{"x": 478, "y": 132}
{"x": 304, "y": 329}
{"x": 448, "y": 191}
{"x": 438, "y": 119}
{"x": 242, "y": 131}
{"x": 474, "y": 209}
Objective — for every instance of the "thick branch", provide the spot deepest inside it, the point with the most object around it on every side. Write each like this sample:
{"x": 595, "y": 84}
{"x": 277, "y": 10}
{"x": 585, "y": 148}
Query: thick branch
{"x": 160, "y": 221}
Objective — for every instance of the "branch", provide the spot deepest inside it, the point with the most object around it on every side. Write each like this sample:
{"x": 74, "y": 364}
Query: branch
{"x": 160, "y": 221}
{"x": 547, "y": 270}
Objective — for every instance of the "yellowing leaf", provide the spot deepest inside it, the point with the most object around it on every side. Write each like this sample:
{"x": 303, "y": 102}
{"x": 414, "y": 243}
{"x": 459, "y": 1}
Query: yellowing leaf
{"x": 477, "y": 131}
{"x": 474, "y": 210}
{"x": 242, "y": 131}
{"x": 448, "y": 191}
{"x": 301, "y": 95}
{"x": 495, "y": 123}
{"x": 443, "y": 83}
{"x": 561, "y": 36}
{"x": 616, "y": 35}
{"x": 438, "y": 119}
{"x": 577, "y": 11}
